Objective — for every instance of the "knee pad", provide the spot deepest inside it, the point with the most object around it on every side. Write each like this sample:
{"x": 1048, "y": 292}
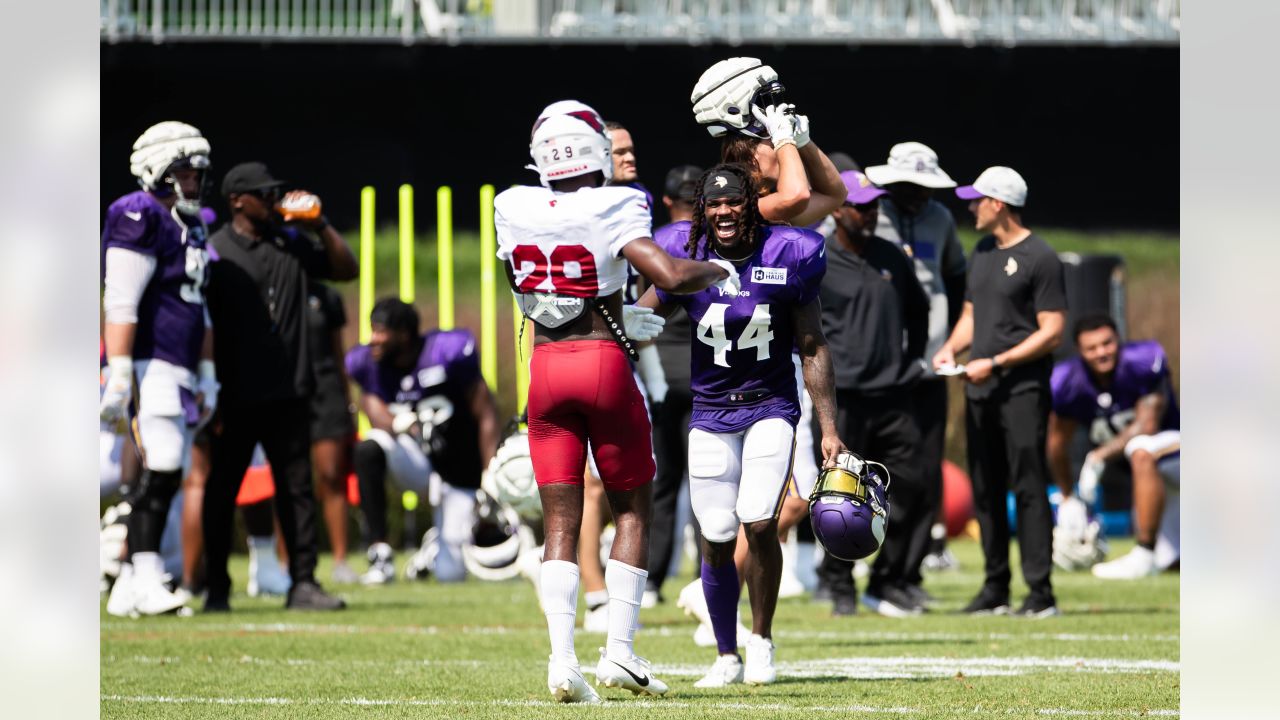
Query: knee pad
{"x": 155, "y": 490}
{"x": 369, "y": 457}
{"x": 718, "y": 525}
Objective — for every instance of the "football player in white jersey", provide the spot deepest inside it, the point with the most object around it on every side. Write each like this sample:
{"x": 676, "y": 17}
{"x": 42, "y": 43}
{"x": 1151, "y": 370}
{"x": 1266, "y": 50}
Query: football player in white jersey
{"x": 566, "y": 245}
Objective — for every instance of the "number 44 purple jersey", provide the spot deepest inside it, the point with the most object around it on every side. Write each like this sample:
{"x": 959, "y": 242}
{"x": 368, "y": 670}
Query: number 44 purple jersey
{"x": 741, "y": 346}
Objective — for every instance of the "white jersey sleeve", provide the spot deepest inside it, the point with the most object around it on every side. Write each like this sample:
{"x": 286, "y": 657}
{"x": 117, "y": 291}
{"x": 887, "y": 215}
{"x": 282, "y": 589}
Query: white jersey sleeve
{"x": 569, "y": 243}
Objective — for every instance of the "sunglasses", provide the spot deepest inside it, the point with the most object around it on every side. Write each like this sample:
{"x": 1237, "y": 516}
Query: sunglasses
{"x": 864, "y": 207}
{"x": 267, "y": 195}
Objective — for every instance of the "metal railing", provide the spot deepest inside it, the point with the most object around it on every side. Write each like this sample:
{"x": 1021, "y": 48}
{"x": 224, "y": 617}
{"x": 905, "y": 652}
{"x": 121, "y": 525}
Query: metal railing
{"x": 969, "y": 22}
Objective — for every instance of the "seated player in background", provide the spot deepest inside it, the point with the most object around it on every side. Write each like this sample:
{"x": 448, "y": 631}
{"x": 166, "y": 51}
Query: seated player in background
{"x": 156, "y": 330}
{"x": 746, "y": 403}
{"x": 431, "y": 415}
{"x": 1123, "y": 396}
{"x": 565, "y": 247}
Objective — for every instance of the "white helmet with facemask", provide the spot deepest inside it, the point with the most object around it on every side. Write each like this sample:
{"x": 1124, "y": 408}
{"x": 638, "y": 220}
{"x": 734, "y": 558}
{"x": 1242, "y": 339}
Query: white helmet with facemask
{"x": 163, "y": 148}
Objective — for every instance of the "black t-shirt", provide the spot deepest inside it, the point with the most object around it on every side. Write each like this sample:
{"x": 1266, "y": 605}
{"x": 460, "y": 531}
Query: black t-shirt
{"x": 875, "y": 316}
{"x": 325, "y": 314}
{"x": 674, "y": 350}
{"x": 257, "y": 299}
{"x": 1007, "y": 288}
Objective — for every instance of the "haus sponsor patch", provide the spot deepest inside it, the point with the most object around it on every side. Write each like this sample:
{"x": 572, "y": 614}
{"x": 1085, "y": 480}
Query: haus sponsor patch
{"x": 769, "y": 276}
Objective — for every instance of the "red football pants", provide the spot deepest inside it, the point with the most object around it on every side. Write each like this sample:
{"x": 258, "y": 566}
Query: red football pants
{"x": 580, "y": 390}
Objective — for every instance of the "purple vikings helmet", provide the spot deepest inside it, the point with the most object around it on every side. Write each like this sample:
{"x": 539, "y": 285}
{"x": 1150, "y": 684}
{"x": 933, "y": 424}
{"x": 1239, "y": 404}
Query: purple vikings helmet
{"x": 849, "y": 507}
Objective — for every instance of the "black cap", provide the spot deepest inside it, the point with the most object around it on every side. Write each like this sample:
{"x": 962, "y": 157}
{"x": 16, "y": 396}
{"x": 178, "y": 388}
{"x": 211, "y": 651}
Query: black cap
{"x": 682, "y": 182}
{"x": 843, "y": 162}
{"x": 247, "y": 177}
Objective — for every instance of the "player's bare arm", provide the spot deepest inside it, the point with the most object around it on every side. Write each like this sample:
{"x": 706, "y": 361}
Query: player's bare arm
{"x": 960, "y": 340}
{"x": 819, "y": 376}
{"x": 827, "y": 192}
{"x": 1147, "y": 413}
{"x": 485, "y": 411}
{"x": 376, "y": 410}
{"x": 791, "y": 198}
{"x": 342, "y": 261}
{"x": 1058, "y": 443}
{"x": 674, "y": 275}
{"x": 1043, "y": 341}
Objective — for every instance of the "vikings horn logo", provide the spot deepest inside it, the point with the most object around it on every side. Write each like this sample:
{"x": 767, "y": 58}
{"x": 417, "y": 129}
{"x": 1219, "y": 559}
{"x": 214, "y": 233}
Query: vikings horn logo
{"x": 720, "y": 181}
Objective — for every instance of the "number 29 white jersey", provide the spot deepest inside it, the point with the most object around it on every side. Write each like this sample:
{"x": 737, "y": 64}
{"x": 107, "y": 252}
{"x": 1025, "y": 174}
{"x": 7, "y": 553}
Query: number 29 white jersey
{"x": 570, "y": 243}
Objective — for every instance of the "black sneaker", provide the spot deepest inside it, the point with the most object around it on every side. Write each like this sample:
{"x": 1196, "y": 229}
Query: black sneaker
{"x": 988, "y": 602}
{"x": 1038, "y": 607}
{"x": 891, "y": 601}
{"x": 216, "y": 605}
{"x": 822, "y": 591}
{"x": 844, "y": 604}
{"x": 308, "y": 595}
{"x": 921, "y": 596}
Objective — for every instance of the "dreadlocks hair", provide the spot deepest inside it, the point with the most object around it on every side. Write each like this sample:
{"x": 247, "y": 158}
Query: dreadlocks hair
{"x": 750, "y": 225}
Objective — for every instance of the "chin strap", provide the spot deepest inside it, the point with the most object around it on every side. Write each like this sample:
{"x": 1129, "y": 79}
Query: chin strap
{"x": 615, "y": 327}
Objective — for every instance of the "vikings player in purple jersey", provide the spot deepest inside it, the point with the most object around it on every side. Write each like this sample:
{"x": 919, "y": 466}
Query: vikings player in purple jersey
{"x": 432, "y": 414}
{"x": 156, "y": 330}
{"x": 745, "y": 401}
{"x": 1122, "y": 395}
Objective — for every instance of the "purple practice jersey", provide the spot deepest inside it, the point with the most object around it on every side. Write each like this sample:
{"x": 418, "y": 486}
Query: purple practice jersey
{"x": 171, "y": 312}
{"x": 1141, "y": 369}
{"x": 741, "y": 346}
{"x": 437, "y": 388}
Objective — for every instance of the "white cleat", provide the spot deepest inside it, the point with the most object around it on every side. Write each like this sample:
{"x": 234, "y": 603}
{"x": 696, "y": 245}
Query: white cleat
{"x": 705, "y": 636}
{"x": 790, "y": 587}
{"x": 155, "y": 599}
{"x": 120, "y": 601}
{"x": 726, "y": 671}
{"x": 1137, "y": 563}
{"x": 634, "y": 675}
{"x": 694, "y": 603}
{"x": 597, "y": 620}
{"x": 567, "y": 685}
{"x": 758, "y": 669}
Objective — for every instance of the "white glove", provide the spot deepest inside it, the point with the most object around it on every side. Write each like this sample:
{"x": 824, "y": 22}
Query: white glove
{"x": 731, "y": 285}
{"x": 801, "y": 124}
{"x": 641, "y": 323}
{"x": 207, "y": 387}
{"x": 650, "y": 368}
{"x": 1073, "y": 516}
{"x": 1090, "y": 476}
{"x": 780, "y": 125}
{"x": 113, "y": 409}
{"x": 403, "y": 421}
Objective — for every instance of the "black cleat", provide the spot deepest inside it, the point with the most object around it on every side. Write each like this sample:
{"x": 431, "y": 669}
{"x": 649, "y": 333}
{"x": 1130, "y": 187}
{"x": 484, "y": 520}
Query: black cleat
{"x": 308, "y": 595}
{"x": 844, "y": 604}
{"x": 988, "y": 602}
{"x": 1037, "y": 607}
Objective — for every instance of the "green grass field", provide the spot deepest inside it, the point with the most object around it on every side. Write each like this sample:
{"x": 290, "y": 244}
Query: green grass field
{"x": 478, "y": 650}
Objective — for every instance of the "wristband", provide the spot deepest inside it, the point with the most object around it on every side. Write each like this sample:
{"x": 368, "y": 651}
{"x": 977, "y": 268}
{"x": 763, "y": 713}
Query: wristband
{"x": 207, "y": 370}
{"x": 777, "y": 144}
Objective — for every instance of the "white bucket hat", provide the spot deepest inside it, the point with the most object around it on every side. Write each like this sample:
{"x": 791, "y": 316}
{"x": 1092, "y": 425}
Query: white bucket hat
{"x": 911, "y": 162}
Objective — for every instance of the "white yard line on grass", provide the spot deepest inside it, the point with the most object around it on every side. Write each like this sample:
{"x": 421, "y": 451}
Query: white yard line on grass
{"x": 626, "y": 705}
{"x": 664, "y": 631}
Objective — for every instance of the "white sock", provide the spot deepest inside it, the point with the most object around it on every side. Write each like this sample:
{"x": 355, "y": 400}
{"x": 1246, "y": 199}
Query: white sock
{"x": 147, "y": 568}
{"x": 626, "y": 588}
{"x": 262, "y": 553}
{"x": 558, "y": 591}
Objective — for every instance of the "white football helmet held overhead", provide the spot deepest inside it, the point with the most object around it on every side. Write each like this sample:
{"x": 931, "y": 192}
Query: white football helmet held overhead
{"x": 163, "y": 148}
{"x": 570, "y": 139}
{"x": 723, "y": 96}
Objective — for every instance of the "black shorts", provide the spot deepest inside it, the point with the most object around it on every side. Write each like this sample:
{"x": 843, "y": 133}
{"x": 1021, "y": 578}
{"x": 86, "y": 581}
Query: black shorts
{"x": 330, "y": 414}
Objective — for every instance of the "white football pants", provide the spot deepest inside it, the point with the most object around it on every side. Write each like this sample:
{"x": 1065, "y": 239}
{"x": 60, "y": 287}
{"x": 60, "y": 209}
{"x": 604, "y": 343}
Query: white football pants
{"x": 738, "y": 477}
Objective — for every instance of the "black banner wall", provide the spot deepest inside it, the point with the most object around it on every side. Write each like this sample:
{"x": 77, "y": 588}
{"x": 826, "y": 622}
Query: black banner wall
{"x": 1094, "y": 130}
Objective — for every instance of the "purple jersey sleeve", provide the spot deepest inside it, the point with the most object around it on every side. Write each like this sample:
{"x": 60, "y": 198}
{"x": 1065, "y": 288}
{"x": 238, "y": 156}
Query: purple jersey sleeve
{"x": 456, "y": 351}
{"x": 809, "y": 260}
{"x": 360, "y": 367}
{"x": 1073, "y": 394}
{"x": 132, "y": 223}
